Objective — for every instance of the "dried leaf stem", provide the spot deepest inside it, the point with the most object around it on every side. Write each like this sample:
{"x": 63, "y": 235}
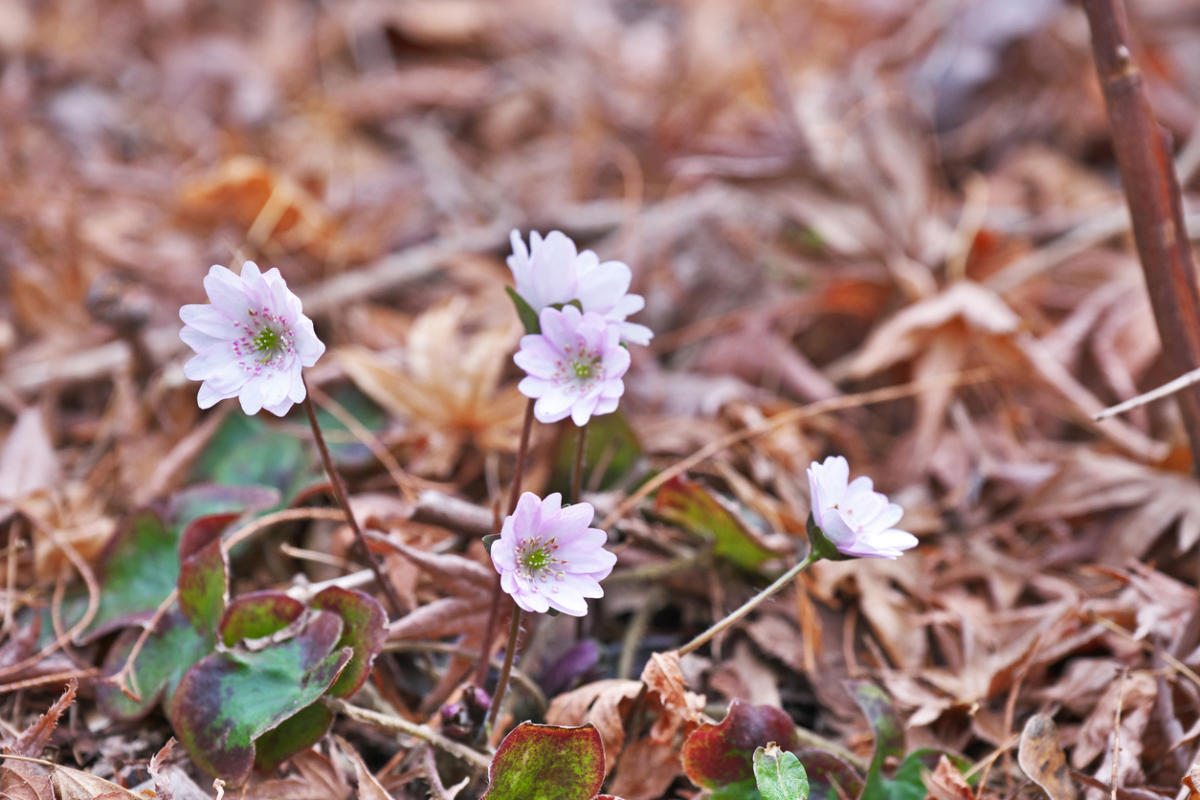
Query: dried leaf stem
{"x": 1155, "y": 205}
{"x": 396, "y": 724}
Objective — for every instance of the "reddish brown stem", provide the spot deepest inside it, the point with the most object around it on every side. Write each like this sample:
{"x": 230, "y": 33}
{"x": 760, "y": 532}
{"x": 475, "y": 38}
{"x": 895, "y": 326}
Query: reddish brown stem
{"x": 1152, "y": 190}
{"x": 489, "y": 631}
{"x": 339, "y": 493}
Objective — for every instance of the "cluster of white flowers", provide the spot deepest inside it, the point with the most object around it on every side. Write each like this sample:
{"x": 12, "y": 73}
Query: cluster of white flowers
{"x": 576, "y": 363}
{"x": 252, "y": 342}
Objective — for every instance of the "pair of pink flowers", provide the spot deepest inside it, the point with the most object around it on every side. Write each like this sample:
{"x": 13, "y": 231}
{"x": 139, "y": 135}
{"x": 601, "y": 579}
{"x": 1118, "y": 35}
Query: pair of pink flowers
{"x": 576, "y": 363}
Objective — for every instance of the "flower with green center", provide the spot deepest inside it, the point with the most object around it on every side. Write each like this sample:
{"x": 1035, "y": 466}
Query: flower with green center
{"x": 251, "y": 340}
{"x": 574, "y": 367}
{"x": 852, "y": 516}
{"x": 548, "y": 557}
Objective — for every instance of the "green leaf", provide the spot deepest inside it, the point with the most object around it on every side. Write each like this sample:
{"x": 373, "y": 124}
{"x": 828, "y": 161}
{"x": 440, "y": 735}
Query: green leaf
{"x": 298, "y": 732}
{"x": 364, "y": 629}
{"x": 227, "y": 700}
{"x": 881, "y": 716}
{"x": 742, "y": 790}
{"x": 140, "y": 567}
{"x": 246, "y": 451}
{"x": 204, "y": 573}
{"x": 829, "y": 776}
{"x": 720, "y": 755}
{"x": 258, "y": 614}
{"x": 779, "y": 774}
{"x": 690, "y": 506}
{"x": 544, "y": 762}
{"x": 167, "y": 654}
{"x": 210, "y": 498}
{"x": 610, "y": 445}
{"x": 525, "y": 312}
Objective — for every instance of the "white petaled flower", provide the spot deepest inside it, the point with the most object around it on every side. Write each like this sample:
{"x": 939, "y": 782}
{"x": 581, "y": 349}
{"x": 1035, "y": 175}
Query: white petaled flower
{"x": 551, "y": 272}
{"x": 573, "y": 367}
{"x": 549, "y": 557}
{"x": 855, "y": 518}
{"x": 251, "y": 340}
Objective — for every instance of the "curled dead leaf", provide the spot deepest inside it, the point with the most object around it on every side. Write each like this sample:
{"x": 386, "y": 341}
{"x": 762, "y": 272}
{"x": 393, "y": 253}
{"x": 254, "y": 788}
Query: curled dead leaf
{"x": 1041, "y": 757}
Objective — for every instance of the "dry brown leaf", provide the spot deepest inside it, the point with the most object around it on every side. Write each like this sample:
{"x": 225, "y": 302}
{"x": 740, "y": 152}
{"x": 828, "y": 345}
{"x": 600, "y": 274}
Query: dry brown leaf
{"x": 74, "y": 784}
{"x": 946, "y": 782}
{"x": 1134, "y": 696}
{"x": 28, "y": 463}
{"x": 270, "y": 206}
{"x": 368, "y": 787}
{"x": 317, "y": 778}
{"x": 1041, "y": 757}
{"x": 1090, "y": 482}
{"x": 448, "y": 384}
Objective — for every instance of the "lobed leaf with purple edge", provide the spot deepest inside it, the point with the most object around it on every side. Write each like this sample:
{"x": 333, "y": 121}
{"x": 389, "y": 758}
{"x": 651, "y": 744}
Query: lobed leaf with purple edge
{"x": 546, "y": 762}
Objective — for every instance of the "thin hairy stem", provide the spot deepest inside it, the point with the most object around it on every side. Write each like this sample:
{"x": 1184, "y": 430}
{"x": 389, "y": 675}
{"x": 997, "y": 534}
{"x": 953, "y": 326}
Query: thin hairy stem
{"x": 339, "y": 493}
{"x": 730, "y": 619}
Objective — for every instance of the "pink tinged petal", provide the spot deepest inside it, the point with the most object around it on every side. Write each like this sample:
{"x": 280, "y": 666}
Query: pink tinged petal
{"x": 605, "y": 405}
{"x": 225, "y": 291}
{"x": 559, "y": 327}
{"x": 209, "y": 396}
{"x": 308, "y": 347}
{"x": 553, "y": 263}
{"x": 199, "y": 341}
{"x": 893, "y": 539}
{"x": 581, "y": 585}
{"x": 627, "y": 305}
{"x": 504, "y": 557}
{"x": 551, "y": 508}
{"x": 567, "y": 603}
{"x": 534, "y": 387}
{"x": 602, "y": 287}
{"x": 296, "y": 391}
{"x": 527, "y": 518}
{"x": 577, "y": 543}
{"x": 537, "y": 357}
{"x": 552, "y": 406}
{"x": 636, "y": 334}
{"x": 209, "y": 321}
{"x": 281, "y": 408}
{"x": 590, "y": 563}
{"x": 583, "y": 409}
{"x": 616, "y": 362}
{"x": 251, "y": 397}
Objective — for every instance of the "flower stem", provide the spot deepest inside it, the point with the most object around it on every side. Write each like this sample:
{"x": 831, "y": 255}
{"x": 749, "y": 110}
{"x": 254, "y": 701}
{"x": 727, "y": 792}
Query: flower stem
{"x": 748, "y": 606}
{"x": 510, "y": 651}
{"x": 519, "y": 468}
{"x": 489, "y": 631}
{"x": 339, "y": 493}
{"x": 577, "y": 471}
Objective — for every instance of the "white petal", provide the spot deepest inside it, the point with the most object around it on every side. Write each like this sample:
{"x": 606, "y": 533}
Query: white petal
{"x": 552, "y": 406}
{"x": 226, "y": 292}
{"x": 209, "y": 321}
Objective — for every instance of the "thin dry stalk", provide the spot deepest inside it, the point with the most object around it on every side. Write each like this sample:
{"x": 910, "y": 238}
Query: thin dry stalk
{"x": 1152, "y": 191}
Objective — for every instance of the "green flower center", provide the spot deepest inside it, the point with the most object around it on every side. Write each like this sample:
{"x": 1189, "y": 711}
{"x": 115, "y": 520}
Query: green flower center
{"x": 537, "y": 560}
{"x": 267, "y": 340}
{"x": 583, "y": 370}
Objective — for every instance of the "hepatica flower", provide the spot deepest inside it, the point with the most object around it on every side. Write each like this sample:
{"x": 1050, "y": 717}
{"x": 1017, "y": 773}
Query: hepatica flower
{"x": 853, "y": 517}
{"x": 550, "y": 272}
{"x": 548, "y": 557}
{"x": 574, "y": 366}
{"x": 251, "y": 341}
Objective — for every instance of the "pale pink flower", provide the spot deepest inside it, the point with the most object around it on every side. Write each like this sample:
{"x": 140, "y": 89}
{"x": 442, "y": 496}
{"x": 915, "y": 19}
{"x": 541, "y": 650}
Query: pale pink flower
{"x": 548, "y": 557}
{"x": 573, "y": 367}
{"x": 855, "y": 518}
{"x": 251, "y": 341}
{"x": 550, "y": 272}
